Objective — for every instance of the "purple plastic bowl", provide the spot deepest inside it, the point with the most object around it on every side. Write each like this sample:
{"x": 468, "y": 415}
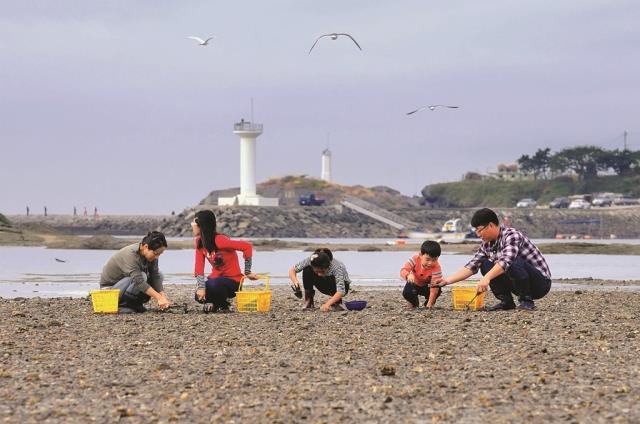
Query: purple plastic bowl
{"x": 356, "y": 305}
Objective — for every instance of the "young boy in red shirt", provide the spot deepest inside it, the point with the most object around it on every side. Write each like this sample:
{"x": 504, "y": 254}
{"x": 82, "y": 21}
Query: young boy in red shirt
{"x": 420, "y": 272}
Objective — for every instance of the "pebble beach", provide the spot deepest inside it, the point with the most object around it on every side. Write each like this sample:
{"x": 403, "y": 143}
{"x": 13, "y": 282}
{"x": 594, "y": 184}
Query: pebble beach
{"x": 575, "y": 359}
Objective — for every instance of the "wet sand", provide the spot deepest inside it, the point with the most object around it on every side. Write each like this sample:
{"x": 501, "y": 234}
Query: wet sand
{"x": 575, "y": 359}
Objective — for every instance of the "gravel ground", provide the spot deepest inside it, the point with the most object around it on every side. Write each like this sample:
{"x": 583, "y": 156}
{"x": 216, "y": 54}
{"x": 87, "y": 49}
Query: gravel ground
{"x": 573, "y": 360}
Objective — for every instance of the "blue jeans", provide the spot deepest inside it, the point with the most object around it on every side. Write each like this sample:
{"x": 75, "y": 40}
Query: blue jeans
{"x": 129, "y": 294}
{"x": 521, "y": 279}
{"x": 218, "y": 290}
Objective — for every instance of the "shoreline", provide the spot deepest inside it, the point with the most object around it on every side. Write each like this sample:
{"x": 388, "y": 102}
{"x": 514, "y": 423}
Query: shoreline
{"x": 38, "y": 289}
{"x": 106, "y": 242}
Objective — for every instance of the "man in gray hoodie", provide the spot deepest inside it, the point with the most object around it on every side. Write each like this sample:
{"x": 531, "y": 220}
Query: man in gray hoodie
{"x": 134, "y": 271}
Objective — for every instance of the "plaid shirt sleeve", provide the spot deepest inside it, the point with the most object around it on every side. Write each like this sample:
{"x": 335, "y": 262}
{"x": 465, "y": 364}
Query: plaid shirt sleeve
{"x": 474, "y": 263}
{"x": 510, "y": 249}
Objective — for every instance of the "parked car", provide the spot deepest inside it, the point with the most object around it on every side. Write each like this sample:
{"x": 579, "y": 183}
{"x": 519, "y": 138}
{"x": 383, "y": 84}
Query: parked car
{"x": 625, "y": 201}
{"x": 580, "y": 204}
{"x": 526, "y": 203}
{"x": 559, "y": 202}
{"x": 310, "y": 199}
{"x": 602, "y": 201}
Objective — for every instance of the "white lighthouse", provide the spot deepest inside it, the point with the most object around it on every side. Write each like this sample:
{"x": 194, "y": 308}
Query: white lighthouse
{"x": 248, "y": 132}
{"x": 325, "y": 174}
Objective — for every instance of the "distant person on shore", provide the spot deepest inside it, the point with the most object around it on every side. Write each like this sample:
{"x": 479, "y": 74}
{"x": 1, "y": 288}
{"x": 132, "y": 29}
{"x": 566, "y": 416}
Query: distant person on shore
{"x": 45, "y": 211}
{"x": 27, "y": 210}
{"x": 323, "y": 272}
{"x": 220, "y": 251}
{"x": 510, "y": 264}
{"x": 75, "y": 211}
{"x": 422, "y": 273}
{"x": 85, "y": 211}
{"x": 134, "y": 271}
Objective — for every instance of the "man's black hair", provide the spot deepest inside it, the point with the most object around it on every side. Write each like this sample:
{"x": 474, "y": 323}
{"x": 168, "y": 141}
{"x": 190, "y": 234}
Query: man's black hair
{"x": 154, "y": 240}
{"x": 431, "y": 248}
{"x": 483, "y": 217}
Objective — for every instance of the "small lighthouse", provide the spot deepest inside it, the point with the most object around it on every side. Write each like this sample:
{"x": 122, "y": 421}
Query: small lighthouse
{"x": 325, "y": 174}
{"x": 248, "y": 133}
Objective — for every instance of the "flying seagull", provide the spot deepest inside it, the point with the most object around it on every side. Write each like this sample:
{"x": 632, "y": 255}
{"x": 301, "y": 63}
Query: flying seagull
{"x": 431, "y": 107}
{"x": 201, "y": 41}
{"x": 334, "y": 36}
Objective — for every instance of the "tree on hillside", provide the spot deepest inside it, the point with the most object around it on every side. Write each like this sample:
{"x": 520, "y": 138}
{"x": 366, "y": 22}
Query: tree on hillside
{"x": 538, "y": 164}
{"x": 622, "y": 161}
{"x": 585, "y": 161}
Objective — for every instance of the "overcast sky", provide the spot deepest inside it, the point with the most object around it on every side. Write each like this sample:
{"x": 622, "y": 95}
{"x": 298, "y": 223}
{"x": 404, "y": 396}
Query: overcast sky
{"x": 108, "y": 104}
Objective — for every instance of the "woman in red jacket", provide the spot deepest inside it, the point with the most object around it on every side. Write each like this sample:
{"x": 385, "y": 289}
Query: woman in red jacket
{"x": 220, "y": 251}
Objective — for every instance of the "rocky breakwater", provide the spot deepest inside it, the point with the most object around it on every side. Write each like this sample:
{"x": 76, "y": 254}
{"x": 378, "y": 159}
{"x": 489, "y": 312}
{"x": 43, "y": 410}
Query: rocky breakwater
{"x": 287, "y": 221}
{"x": 125, "y": 225}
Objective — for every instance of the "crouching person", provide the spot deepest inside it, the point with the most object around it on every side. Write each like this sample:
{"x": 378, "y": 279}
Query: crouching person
{"x": 134, "y": 271}
{"x": 509, "y": 262}
{"x": 321, "y": 271}
{"x": 422, "y": 274}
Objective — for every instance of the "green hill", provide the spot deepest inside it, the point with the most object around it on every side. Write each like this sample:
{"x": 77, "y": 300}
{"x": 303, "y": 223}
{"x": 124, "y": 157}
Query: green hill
{"x": 498, "y": 193}
{"x": 4, "y": 221}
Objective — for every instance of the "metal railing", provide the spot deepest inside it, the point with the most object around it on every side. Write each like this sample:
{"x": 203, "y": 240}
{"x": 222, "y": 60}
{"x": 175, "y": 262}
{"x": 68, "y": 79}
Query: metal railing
{"x": 378, "y": 213}
{"x": 247, "y": 126}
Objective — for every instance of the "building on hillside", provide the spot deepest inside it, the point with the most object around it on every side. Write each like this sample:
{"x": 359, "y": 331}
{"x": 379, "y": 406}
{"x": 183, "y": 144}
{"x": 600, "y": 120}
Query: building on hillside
{"x": 509, "y": 172}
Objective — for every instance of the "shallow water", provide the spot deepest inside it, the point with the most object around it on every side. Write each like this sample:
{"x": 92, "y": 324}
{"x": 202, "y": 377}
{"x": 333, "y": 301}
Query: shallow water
{"x": 34, "y": 271}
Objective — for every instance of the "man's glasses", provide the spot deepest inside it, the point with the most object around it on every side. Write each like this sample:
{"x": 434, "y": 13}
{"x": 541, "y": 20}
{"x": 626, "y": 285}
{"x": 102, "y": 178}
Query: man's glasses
{"x": 479, "y": 230}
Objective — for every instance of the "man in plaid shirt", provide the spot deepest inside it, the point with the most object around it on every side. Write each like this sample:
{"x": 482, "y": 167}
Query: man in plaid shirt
{"x": 509, "y": 262}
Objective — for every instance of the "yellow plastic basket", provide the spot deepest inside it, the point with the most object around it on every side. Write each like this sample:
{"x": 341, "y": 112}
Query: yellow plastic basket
{"x": 253, "y": 300}
{"x": 105, "y": 301}
{"x": 462, "y": 295}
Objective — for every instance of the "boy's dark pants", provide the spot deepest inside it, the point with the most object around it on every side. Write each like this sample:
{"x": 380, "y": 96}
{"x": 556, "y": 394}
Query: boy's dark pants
{"x": 521, "y": 279}
{"x": 325, "y": 285}
{"x": 411, "y": 292}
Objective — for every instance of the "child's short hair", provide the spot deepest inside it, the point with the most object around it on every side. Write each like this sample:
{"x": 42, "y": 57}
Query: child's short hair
{"x": 431, "y": 248}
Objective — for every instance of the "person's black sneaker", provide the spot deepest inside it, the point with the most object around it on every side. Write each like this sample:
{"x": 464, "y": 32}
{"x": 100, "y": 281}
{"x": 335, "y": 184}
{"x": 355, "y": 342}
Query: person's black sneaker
{"x": 125, "y": 310}
{"x": 224, "y": 310}
{"x": 131, "y": 308}
{"x": 208, "y": 308}
{"x": 504, "y": 305}
{"x": 526, "y": 304}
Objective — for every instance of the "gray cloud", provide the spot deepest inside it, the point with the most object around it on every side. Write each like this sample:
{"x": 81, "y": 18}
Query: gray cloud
{"x": 108, "y": 104}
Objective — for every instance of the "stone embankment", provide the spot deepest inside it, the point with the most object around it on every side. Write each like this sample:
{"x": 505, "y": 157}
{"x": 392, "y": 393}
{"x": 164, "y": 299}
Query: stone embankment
{"x": 287, "y": 221}
{"x": 339, "y": 222}
{"x": 125, "y": 225}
